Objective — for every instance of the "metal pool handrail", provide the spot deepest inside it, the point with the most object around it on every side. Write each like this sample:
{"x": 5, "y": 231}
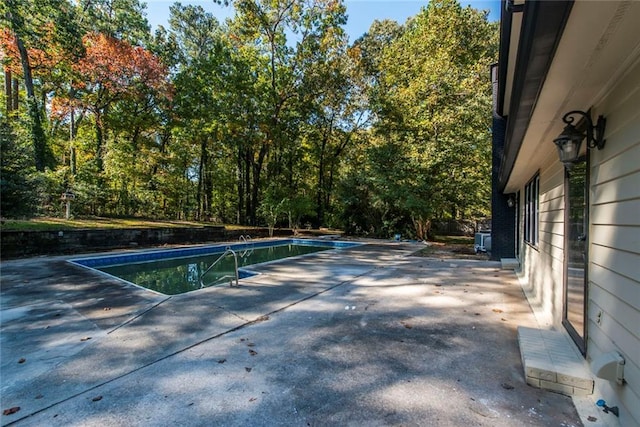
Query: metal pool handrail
{"x": 228, "y": 250}
{"x": 246, "y": 239}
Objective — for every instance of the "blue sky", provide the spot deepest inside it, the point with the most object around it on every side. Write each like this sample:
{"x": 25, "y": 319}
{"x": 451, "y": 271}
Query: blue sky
{"x": 361, "y": 12}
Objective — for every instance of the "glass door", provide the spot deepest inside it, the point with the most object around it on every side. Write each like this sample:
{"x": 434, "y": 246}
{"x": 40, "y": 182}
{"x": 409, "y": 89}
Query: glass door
{"x": 518, "y": 235}
{"x": 576, "y": 253}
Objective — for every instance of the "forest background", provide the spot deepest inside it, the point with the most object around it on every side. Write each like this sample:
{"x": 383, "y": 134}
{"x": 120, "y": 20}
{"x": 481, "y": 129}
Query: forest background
{"x": 270, "y": 117}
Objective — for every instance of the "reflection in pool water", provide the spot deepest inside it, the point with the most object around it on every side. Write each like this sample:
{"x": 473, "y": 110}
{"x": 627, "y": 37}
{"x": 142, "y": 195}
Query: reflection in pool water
{"x": 180, "y": 275}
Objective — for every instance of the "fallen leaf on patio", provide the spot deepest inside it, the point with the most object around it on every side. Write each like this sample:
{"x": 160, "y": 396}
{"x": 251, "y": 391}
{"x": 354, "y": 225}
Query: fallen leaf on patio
{"x": 107, "y": 308}
{"x": 503, "y": 319}
{"x": 248, "y": 369}
{"x": 592, "y": 418}
{"x": 251, "y": 344}
{"x": 222, "y": 360}
{"x": 262, "y": 318}
{"x": 253, "y": 399}
{"x": 507, "y": 386}
{"x": 497, "y": 310}
{"x": 252, "y": 352}
{"x": 96, "y": 399}
{"x": 406, "y": 325}
{"x": 22, "y": 360}
{"x": 39, "y": 396}
{"x": 477, "y": 314}
{"x": 438, "y": 285}
{"x": 11, "y": 410}
{"x": 85, "y": 339}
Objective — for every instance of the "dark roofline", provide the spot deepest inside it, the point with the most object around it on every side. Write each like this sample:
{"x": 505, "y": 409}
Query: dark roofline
{"x": 542, "y": 25}
{"x": 503, "y": 55}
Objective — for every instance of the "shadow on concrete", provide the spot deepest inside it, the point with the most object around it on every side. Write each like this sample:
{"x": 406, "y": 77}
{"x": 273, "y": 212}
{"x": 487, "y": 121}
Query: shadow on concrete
{"x": 370, "y": 336}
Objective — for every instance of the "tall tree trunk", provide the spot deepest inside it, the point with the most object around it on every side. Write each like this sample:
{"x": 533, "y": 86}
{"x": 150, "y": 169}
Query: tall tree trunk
{"x": 203, "y": 187}
{"x": 131, "y": 197}
{"x": 16, "y": 93}
{"x": 72, "y": 137}
{"x": 37, "y": 131}
{"x": 240, "y": 183}
{"x": 99, "y": 142}
{"x": 199, "y": 191}
{"x": 247, "y": 184}
{"x": 73, "y": 132}
{"x": 320, "y": 193}
{"x": 329, "y": 188}
{"x": 8, "y": 90}
{"x": 255, "y": 191}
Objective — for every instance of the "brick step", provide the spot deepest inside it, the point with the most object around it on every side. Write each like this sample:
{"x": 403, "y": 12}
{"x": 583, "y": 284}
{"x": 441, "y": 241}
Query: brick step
{"x": 552, "y": 362}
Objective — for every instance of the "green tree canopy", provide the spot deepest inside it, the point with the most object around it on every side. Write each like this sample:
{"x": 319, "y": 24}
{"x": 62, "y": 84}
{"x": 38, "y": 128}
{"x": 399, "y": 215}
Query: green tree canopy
{"x": 270, "y": 117}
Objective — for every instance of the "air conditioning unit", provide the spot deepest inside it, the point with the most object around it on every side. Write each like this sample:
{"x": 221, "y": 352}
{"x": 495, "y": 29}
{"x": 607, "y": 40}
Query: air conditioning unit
{"x": 482, "y": 242}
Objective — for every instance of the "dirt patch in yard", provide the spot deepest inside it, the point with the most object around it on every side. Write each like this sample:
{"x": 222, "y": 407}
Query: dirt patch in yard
{"x": 459, "y": 247}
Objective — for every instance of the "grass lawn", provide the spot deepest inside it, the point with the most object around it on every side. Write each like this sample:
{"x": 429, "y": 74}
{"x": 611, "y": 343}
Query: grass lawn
{"x": 56, "y": 224}
{"x": 51, "y": 223}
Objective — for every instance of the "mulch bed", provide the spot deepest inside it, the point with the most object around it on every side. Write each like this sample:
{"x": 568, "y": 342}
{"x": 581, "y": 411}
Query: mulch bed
{"x": 451, "y": 250}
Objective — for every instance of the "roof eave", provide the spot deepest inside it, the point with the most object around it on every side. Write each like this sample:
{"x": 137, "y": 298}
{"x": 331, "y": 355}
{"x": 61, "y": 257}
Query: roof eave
{"x": 542, "y": 27}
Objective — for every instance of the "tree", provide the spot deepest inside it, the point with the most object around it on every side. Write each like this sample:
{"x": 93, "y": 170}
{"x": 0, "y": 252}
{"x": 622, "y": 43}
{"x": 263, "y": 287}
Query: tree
{"x": 281, "y": 75}
{"x": 433, "y": 104}
{"x": 205, "y": 79}
{"x": 269, "y": 117}
{"x": 113, "y": 70}
{"x": 36, "y": 37}
{"x": 117, "y": 19}
{"x": 16, "y": 183}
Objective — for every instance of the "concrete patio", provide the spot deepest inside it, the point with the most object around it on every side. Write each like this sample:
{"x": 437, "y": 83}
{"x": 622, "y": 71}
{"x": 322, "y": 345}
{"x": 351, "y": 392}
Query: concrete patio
{"x": 364, "y": 336}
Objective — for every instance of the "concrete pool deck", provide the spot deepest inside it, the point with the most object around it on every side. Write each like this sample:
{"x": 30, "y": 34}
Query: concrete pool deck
{"x": 369, "y": 335}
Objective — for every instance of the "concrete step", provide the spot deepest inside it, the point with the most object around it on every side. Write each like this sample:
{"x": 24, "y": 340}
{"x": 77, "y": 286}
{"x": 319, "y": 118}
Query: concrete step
{"x": 510, "y": 263}
{"x": 552, "y": 362}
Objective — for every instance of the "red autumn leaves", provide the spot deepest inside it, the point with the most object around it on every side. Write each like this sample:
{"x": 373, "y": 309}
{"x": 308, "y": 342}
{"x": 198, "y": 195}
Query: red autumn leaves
{"x": 110, "y": 69}
{"x": 116, "y": 66}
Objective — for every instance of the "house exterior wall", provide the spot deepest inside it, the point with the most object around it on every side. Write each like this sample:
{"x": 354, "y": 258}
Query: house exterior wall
{"x": 579, "y": 55}
{"x": 502, "y": 216}
{"x": 613, "y": 319}
{"x": 542, "y": 266}
{"x": 614, "y": 252}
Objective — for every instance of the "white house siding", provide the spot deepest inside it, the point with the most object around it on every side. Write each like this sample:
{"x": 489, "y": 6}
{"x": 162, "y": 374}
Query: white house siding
{"x": 614, "y": 252}
{"x": 542, "y": 266}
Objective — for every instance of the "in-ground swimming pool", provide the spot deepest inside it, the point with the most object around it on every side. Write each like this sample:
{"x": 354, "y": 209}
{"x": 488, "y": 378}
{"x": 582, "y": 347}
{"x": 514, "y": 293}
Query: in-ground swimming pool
{"x": 177, "y": 271}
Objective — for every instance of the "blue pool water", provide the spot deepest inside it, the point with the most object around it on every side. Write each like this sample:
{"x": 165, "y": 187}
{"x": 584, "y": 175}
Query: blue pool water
{"x": 177, "y": 271}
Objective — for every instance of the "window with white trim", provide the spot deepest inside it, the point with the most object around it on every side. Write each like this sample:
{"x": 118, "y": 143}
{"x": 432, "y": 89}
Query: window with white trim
{"x": 531, "y": 210}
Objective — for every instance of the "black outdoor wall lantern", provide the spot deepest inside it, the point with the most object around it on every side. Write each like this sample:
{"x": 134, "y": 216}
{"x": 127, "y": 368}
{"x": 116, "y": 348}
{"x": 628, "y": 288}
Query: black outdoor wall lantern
{"x": 570, "y": 140}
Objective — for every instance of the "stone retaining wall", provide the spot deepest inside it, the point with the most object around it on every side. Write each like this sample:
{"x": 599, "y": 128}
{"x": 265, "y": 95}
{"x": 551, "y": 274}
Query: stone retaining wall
{"x": 17, "y": 244}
